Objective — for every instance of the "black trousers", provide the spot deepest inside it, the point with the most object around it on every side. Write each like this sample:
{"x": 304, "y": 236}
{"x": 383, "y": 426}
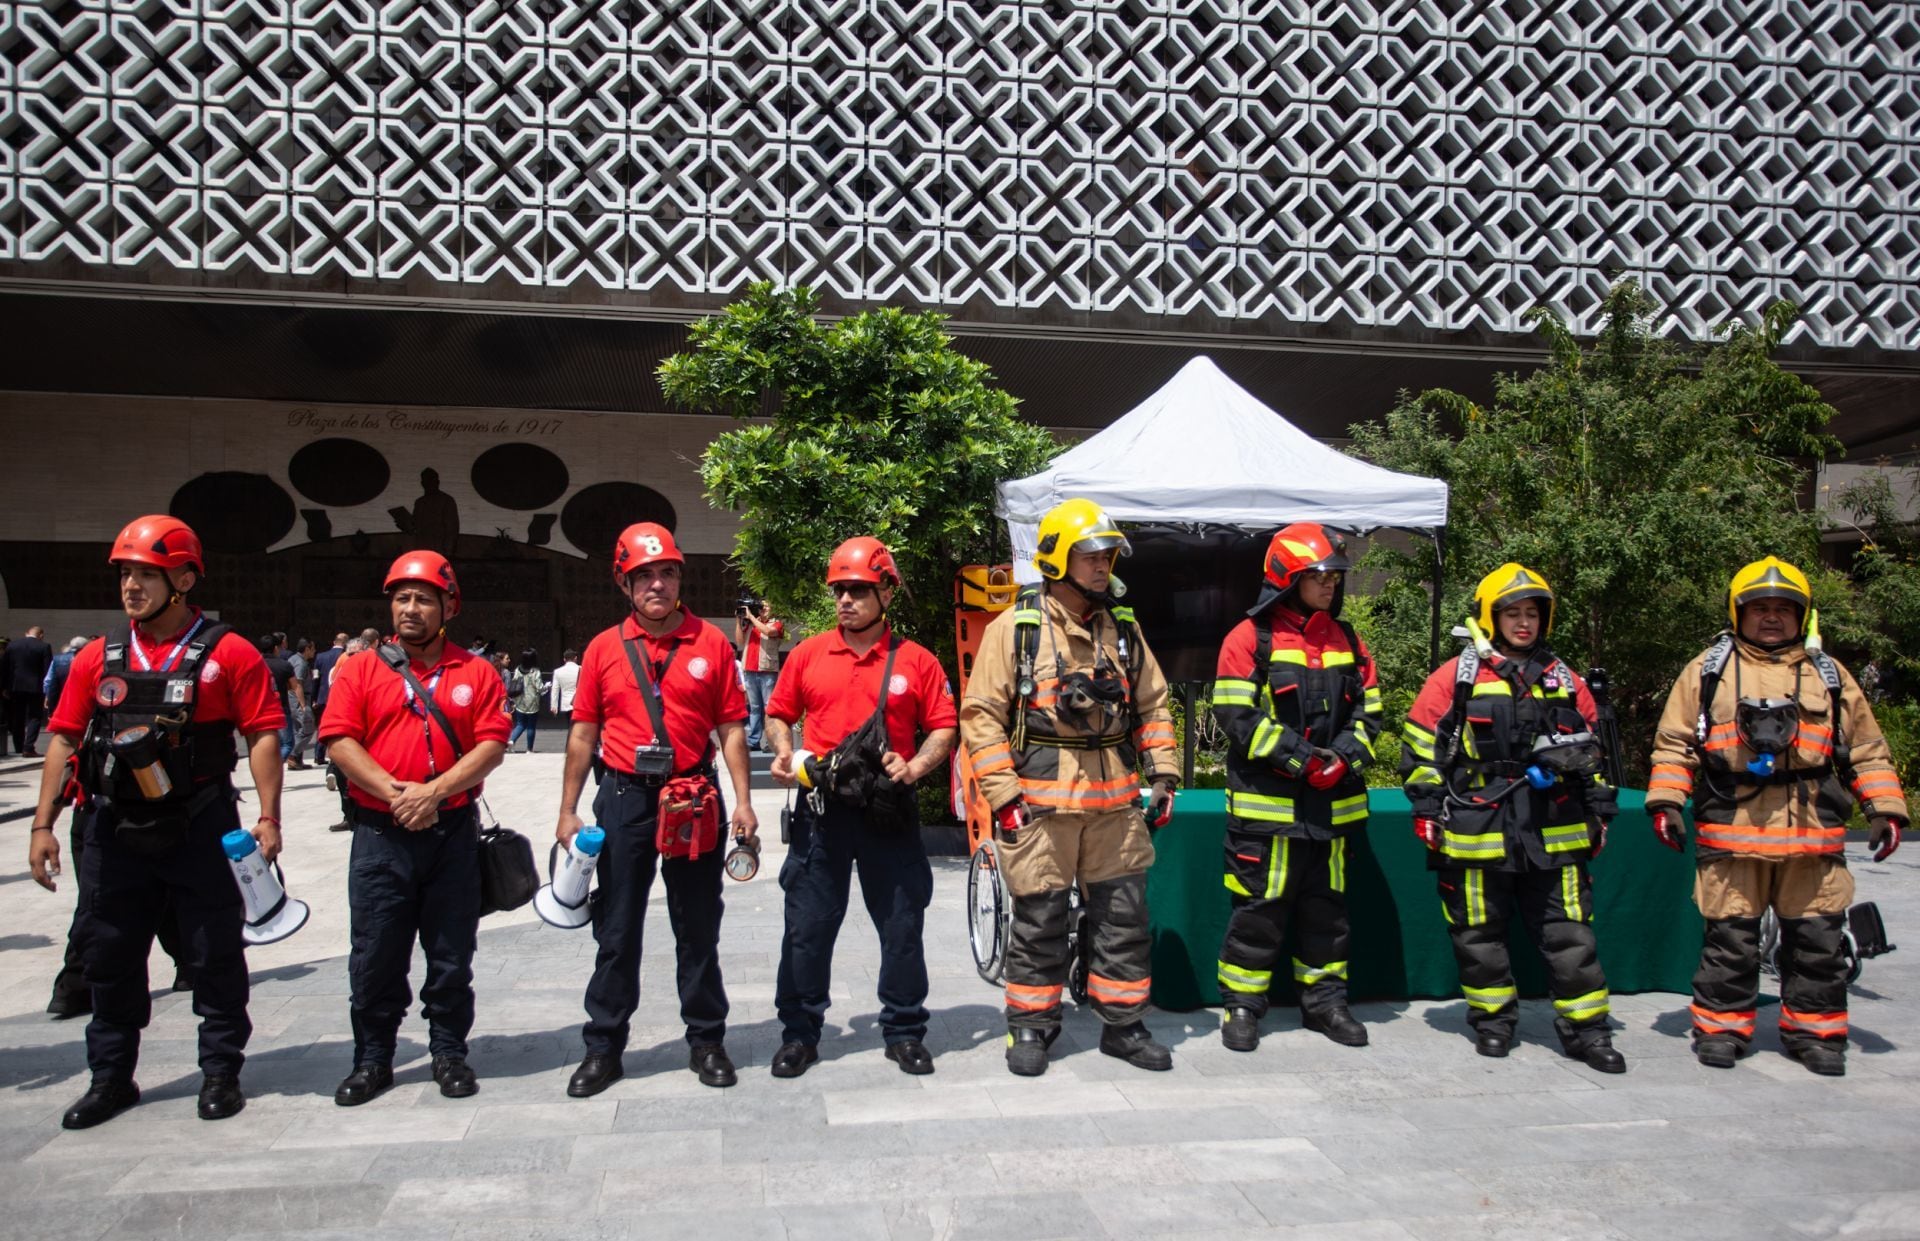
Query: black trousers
{"x": 403, "y": 886}
{"x": 1285, "y": 889}
{"x": 72, "y": 978}
{"x": 1813, "y": 980}
{"x": 23, "y": 718}
{"x": 627, "y": 812}
{"x": 126, "y": 895}
{"x": 1556, "y": 907}
{"x": 896, "y": 882}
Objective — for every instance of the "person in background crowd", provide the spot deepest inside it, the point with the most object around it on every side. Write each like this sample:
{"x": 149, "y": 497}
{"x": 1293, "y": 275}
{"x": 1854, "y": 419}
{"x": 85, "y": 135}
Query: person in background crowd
{"x": 305, "y": 721}
{"x": 758, "y": 635}
{"x": 566, "y": 680}
{"x": 23, "y": 675}
{"x": 322, "y": 683}
{"x": 526, "y": 690}
{"x": 292, "y": 698}
{"x": 56, "y": 678}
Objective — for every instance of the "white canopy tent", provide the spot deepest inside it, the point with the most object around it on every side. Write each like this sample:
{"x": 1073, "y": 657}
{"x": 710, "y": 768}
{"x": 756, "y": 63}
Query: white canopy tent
{"x": 1202, "y": 451}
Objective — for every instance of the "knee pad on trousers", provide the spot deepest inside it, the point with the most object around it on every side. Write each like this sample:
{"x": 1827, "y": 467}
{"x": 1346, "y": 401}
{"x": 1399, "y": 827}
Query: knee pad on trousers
{"x": 1117, "y": 911}
{"x": 1813, "y": 954}
{"x": 1042, "y": 914}
{"x": 1733, "y": 940}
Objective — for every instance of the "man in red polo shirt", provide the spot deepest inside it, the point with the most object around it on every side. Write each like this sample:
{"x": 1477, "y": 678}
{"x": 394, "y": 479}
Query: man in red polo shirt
{"x": 859, "y": 805}
{"x": 687, "y": 666}
{"x": 415, "y": 870}
{"x": 149, "y": 712}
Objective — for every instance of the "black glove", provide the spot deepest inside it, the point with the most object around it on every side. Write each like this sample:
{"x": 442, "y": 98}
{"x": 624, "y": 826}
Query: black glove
{"x": 1885, "y": 836}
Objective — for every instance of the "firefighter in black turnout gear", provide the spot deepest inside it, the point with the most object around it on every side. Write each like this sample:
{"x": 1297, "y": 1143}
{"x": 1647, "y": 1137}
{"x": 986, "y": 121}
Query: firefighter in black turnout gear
{"x": 143, "y": 740}
{"x": 1296, "y": 694}
{"x": 1504, "y": 772}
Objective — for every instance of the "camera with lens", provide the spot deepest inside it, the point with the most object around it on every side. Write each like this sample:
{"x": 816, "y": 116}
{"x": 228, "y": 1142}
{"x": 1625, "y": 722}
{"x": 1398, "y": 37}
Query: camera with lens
{"x": 747, "y": 604}
{"x": 653, "y": 763}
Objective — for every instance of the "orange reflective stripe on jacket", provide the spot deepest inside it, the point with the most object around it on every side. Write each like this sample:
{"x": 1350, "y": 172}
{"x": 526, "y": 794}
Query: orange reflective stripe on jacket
{"x": 1723, "y": 737}
{"x": 1818, "y": 735}
{"x": 1813, "y": 1023}
{"x": 992, "y": 758}
{"x": 1032, "y": 999}
{"x": 1670, "y": 776}
{"x": 1876, "y": 784}
{"x": 1711, "y": 1022}
{"x": 1154, "y": 734}
{"x": 1081, "y": 794}
{"x": 1767, "y": 841}
{"x": 1118, "y": 990}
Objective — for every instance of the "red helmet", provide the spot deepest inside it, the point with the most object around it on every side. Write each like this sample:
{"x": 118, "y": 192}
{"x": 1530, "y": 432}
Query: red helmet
{"x": 431, "y": 568}
{"x": 644, "y": 542}
{"x": 1304, "y": 547}
{"x": 161, "y": 541}
{"x": 863, "y": 559}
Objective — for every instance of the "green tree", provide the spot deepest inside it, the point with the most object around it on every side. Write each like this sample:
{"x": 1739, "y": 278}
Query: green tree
{"x": 877, "y": 425}
{"x": 1883, "y": 623}
{"x": 1636, "y": 474}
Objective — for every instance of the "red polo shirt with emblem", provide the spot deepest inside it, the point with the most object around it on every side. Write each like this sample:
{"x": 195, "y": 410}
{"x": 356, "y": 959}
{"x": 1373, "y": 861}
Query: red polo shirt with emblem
{"x": 699, "y": 692}
{"x": 234, "y": 685}
{"x": 836, "y": 691}
{"x": 372, "y": 704}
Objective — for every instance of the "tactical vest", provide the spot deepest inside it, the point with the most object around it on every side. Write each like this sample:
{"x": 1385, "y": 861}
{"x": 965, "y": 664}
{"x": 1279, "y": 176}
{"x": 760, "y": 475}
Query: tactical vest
{"x": 1485, "y": 744}
{"x": 126, "y": 697}
{"x": 1317, "y": 705}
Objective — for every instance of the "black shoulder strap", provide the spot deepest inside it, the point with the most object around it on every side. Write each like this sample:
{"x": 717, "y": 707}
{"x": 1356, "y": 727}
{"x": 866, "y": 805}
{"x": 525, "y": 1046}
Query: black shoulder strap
{"x": 648, "y": 694}
{"x": 113, "y": 659}
{"x": 1262, "y": 649}
{"x": 886, "y": 680}
{"x": 396, "y": 659}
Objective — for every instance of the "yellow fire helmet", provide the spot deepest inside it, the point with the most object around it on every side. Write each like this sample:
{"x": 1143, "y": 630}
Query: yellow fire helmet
{"x": 1073, "y": 524}
{"x": 1771, "y": 578}
{"x": 1506, "y": 586}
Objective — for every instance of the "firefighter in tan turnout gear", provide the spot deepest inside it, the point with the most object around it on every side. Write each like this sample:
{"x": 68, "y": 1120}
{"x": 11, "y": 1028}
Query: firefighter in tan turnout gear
{"x": 1773, "y": 740}
{"x": 1065, "y": 704}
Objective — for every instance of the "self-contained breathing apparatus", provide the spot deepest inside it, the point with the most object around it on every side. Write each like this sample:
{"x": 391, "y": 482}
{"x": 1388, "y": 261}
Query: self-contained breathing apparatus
{"x": 1564, "y": 748}
{"x": 1769, "y": 727}
{"x": 1093, "y": 702}
{"x": 144, "y": 764}
{"x": 854, "y": 772}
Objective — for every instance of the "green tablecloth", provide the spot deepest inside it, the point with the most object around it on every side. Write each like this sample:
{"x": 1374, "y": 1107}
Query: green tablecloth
{"x": 1643, "y": 909}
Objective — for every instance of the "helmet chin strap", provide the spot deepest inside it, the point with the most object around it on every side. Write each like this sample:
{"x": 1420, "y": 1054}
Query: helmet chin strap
{"x": 880, "y": 619}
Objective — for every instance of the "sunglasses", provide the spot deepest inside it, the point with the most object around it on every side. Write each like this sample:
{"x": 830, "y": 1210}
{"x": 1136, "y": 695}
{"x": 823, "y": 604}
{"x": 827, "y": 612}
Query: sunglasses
{"x": 859, "y": 590}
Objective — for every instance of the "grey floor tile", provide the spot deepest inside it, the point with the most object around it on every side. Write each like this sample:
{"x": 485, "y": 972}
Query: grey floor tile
{"x": 1133, "y": 1210}
{"x": 288, "y": 1207}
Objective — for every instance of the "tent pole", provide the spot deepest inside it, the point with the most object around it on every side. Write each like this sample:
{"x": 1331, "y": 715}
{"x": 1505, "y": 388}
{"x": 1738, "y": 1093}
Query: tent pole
{"x": 1186, "y": 756}
{"x": 1439, "y": 536}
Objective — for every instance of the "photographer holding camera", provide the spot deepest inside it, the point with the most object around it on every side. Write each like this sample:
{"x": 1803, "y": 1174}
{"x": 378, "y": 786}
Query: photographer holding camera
{"x": 652, "y": 691}
{"x": 758, "y": 636}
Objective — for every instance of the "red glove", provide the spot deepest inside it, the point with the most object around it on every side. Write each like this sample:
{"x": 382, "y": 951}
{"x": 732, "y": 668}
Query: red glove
{"x": 1428, "y": 830}
{"x": 1597, "y": 832}
{"x": 1010, "y": 818}
{"x": 1325, "y": 769}
{"x": 1885, "y": 837}
{"x": 1671, "y": 829}
{"x": 1160, "y": 806}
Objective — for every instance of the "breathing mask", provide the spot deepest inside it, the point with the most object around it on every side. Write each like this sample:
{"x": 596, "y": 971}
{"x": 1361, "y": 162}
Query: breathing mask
{"x": 1768, "y": 726}
{"x": 1565, "y": 756}
{"x": 1091, "y": 701}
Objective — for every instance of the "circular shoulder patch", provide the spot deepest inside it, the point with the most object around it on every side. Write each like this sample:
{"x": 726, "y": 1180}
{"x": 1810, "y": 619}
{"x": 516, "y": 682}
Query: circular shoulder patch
{"x": 463, "y": 695}
{"x": 111, "y": 690}
{"x": 210, "y": 671}
{"x": 698, "y": 667}
{"x": 897, "y": 686}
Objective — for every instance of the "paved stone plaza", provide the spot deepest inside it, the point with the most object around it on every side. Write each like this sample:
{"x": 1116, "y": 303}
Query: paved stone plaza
{"x": 1412, "y": 1137}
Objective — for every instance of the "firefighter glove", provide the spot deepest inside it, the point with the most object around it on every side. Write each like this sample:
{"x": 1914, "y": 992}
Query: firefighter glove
{"x": 1160, "y": 805}
{"x": 1325, "y": 769}
{"x": 1885, "y": 835}
{"x": 1670, "y": 828}
{"x": 1009, "y": 819}
{"x": 1428, "y": 830}
{"x": 1597, "y": 830}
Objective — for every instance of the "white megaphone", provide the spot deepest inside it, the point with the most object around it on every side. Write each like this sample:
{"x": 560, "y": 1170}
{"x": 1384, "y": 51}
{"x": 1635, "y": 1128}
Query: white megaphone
{"x": 272, "y": 915}
{"x": 563, "y": 902}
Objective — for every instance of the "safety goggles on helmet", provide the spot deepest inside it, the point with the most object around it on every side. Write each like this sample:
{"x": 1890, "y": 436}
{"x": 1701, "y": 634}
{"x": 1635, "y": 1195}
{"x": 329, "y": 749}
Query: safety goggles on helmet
{"x": 1070, "y": 526}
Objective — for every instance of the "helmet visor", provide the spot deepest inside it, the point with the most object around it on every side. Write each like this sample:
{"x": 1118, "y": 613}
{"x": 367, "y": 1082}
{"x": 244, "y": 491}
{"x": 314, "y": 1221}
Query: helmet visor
{"x": 1104, "y": 541}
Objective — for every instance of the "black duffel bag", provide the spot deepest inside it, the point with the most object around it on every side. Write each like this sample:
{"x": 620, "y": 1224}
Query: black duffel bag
{"x": 508, "y": 878}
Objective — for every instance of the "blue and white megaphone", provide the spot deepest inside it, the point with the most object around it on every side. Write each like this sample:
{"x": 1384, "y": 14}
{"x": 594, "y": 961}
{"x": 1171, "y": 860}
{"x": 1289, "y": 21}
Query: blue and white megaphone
{"x": 272, "y": 915}
{"x": 563, "y": 901}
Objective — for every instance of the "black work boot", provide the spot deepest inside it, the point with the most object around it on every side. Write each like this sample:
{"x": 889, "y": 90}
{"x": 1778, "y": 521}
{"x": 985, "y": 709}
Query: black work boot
{"x": 597, "y": 1071}
{"x": 365, "y": 1082}
{"x": 1826, "y": 1059}
{"x": 1337, "y": 1024}
{"x": 1241, "y": 1030}
{"x": 104, "y": 1100}
{"x": 1716, "y": 1051}
{"x": 1134, "y": 1044}
{"x": 1027, "y": 1051}
{"x": 1595, "y": 1048}
{"x": 454, "y": 1077}
{"x": 220, "y": 1097}
{"x": 711, "y": 1064}
{"x": 1492, "y": 1043}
